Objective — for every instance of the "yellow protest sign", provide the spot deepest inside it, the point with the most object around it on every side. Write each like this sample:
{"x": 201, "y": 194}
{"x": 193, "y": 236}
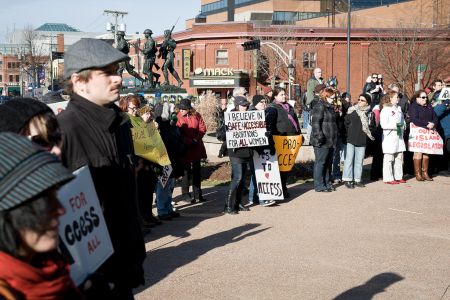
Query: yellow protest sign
{"x": 287, "y": 148}
{"x": 147, "y": 142}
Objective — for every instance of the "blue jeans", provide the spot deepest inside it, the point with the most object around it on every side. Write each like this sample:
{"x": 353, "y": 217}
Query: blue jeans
{"x": 164, "y": 197}
{"x": 322, "y": 168}
{"x": 338, "y": 156}
{"x": 353, "y": 163}
{"x": 238, "y": 170}
{"x": 253, "y": 189}
{"x": 305, "y": 114}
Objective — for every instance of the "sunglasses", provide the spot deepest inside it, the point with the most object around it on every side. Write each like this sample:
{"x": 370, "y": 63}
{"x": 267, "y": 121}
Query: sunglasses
{"x": 423, "y": 97}
{"x": 52, "y": 140}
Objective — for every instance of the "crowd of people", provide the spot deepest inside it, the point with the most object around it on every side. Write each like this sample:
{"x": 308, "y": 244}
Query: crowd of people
{"x": 39, "y": 151}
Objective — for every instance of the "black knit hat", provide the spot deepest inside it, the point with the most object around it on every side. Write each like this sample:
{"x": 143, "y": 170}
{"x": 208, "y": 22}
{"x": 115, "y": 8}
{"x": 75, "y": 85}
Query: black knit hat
{"x": 256, "y": 99}
{"x": 26, "y": 170}
{"x": 15, "y": 114}
{"x": 185, "y": 104}
{"x": 367, "y": 97}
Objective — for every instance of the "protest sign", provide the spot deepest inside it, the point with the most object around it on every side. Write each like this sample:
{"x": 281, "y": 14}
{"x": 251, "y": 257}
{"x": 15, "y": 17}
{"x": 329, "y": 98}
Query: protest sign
{"x": 424, "y": 140}
{"x": 84, "y": 236}
{"x": 287, "y": 148}
{"x": 267, "y": 174}
{"x": 445, "y": 94}
{"x": 147, "y": 142}
{"x": 165, "y": 176}
{"x": 246, "y": 129}
{"x": 58, "y": 107}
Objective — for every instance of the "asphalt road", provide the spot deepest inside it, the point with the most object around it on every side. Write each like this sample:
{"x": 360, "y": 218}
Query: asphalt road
{"x": 377, "y": 242}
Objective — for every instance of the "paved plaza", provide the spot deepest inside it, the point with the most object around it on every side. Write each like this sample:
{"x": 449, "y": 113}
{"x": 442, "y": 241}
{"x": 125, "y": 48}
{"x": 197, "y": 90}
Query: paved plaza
{"x": 377, "y": 242}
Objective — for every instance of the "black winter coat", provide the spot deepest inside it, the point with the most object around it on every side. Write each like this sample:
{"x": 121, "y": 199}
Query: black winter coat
{"x": 355, "y": 135}
{"x": 100, "y": 137}
{"x": 324, "y": 131}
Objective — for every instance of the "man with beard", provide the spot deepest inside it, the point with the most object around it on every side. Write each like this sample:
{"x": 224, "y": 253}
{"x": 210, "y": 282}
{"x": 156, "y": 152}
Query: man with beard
{"x": 97, "y": 134}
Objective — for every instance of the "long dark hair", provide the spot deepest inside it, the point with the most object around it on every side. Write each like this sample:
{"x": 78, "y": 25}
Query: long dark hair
{"x": 417, "y": 95}
{"x": 34, "y": 214}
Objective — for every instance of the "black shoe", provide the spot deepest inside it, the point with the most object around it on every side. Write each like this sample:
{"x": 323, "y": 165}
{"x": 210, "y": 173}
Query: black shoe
{"x": 243, "y": 208}
{"x": 359, "y": 184}
{"x": 165, "y": 217}
{"x": 193, "y": 201}
{"x": 174, "y": 214}
{"x": 324, "y": 191}
{"x": 349, "y": 185}
{"x": 286, "y": 194}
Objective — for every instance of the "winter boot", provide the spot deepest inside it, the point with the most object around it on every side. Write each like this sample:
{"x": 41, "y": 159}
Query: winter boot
{"x": 418, "y": 169}
{"x": 425, "y": 163}
{"x": 238, "y": 205}
{"x": 229, "y": 203}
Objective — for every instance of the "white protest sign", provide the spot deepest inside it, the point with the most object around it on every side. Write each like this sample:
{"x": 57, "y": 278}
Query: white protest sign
{"x": 58, "y": 107}
{"x": 246, "y": 129}
{"x": 267, "y": 174}
{"x": 82, "y": 228}
{"x": 165, "y": 176}
{"x": 424, "y": 140}
{"x": 445, "y": 94}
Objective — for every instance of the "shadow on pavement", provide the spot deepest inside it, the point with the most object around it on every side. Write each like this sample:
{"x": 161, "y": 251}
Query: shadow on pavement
{"x": 373, "y": 286}
{"x": 161, "y": 262}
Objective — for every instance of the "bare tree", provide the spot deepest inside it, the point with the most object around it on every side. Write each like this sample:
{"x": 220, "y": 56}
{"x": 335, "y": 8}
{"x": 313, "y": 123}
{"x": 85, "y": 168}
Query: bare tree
{"x": 35, "y": 58}
{"x": 399, "y": 52}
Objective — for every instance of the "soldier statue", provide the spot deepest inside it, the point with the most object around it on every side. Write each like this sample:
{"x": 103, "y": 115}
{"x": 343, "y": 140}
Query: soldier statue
{"x": 166, "y": 52}
{"x": 122, "y": 45}
{"x": 150, "y": 57}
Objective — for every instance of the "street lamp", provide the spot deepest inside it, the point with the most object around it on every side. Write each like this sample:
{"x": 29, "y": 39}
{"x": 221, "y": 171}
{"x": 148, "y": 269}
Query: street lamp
{"x": 291, "y": 71}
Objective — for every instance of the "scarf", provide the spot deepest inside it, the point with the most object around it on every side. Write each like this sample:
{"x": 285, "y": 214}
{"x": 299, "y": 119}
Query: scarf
{"x": 285, "y": 106}
{"x": 49, "y": 281}
{"x": 361, "y": 111}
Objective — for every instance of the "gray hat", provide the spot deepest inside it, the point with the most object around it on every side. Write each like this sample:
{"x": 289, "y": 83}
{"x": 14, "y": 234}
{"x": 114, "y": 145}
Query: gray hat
{"x": 89, "y": 54}
{"x": 239, "y": 100}
{"x": 26, "y": 170}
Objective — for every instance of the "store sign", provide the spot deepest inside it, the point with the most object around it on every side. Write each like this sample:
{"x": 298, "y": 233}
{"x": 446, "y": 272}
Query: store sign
{"x": 213, "y": 82}
{"x": 186, "y": 54}
{"x": 214, "y": 72}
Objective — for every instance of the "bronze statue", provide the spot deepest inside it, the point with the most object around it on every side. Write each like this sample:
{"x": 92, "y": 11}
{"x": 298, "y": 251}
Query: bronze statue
{"x": 166, "y": 52}
{"x": 150, "y": 57}
{"x": 122, "y": 45}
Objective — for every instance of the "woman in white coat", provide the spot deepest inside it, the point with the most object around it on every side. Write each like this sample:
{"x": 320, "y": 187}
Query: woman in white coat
{"x": 393, "y": 124}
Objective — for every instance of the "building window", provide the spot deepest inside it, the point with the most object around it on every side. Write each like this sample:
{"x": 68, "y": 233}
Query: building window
{"x": 17, "y": 78}
{"x": 290, "y": 17}
{"x": 309, "y": 60}
{"x": 222, "y": 57}
{"x": 214, "y": 6}
{"x": 1, "y": 78}
{"x": 11, "y": 78}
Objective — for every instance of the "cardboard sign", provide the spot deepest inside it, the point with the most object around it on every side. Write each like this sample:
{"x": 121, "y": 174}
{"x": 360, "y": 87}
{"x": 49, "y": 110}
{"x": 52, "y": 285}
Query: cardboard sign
{"x": 267, "y": 174}
{"x": 445, "y": 94}
{"x": 148, "y": 143}
{"x": 424, "y": 140}
{"x": 84, "y": 236}
{"x": 165, "y": 176}
{"x": 246, "y": 129}
{"x": 287, "y": 148}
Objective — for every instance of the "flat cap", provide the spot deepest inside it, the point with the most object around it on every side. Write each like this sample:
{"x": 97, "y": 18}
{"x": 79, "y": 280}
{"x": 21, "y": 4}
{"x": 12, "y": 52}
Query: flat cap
{"x": 90, "y": 53}
{"x": 239, "y": 100}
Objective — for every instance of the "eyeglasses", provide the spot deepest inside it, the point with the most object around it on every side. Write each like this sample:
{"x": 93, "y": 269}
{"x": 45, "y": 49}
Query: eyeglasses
{"x": 133, "y": 108}
{"x": 52, "y": 140}
{"x": 423, "y": 97}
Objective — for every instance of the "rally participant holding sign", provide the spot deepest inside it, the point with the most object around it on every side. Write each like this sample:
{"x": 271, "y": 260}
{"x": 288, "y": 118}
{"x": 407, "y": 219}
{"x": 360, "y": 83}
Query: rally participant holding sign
{"x": 281, "y": 120}
{"x": 443, "y": 113}
{"x": 421, "y": 114}
{"x": 31, "y": 267}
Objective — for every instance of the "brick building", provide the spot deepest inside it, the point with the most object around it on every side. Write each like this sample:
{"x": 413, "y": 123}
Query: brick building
{"x": 211, "y": 56}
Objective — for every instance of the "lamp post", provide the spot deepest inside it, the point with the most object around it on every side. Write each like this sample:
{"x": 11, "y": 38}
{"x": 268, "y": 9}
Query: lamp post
{"x": 291, "y": 71}
{"x": 349, "y": 10}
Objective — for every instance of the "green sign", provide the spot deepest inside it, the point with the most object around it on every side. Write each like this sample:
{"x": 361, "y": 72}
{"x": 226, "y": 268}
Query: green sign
{"x": 421, "y": 68}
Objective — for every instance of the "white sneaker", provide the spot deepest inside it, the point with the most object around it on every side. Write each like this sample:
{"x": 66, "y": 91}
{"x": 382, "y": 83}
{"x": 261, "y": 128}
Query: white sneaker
{"x": 268, "y": 203}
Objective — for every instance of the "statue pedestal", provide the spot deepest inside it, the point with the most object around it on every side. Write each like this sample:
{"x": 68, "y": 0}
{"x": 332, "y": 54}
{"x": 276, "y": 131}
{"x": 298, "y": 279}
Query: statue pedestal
{"x": 163, "y": 89}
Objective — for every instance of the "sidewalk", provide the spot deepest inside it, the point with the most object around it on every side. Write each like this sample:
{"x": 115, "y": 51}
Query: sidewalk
{"x": 381, "y": 241}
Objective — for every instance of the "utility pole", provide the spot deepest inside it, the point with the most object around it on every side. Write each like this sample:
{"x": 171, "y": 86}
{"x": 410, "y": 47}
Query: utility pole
{"x": 116, "y": 14}
{"x": 349, "y": 10}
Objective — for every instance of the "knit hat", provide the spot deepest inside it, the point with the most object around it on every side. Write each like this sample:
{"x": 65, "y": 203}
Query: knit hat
{"x": 26, "y": 170}
{"x": 367, "y": 97}
{"x": 15, "y": 114}
{"x": 239, "y": 100}
{"x": 185, "y": 104}
{"x": 319, "y": 88}
{"x": 256, "y": 99}
{"x": 90, "y": 53}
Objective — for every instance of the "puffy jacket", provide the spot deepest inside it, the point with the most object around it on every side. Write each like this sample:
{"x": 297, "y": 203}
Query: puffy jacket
{"x": 324, "y": 130}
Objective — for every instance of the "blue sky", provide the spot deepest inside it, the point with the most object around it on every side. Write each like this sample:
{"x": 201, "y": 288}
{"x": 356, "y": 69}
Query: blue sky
{"x": 87, "y": 15}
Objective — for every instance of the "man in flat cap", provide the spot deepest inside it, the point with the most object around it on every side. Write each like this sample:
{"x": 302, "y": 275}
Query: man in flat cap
{"x": 97, "y": 134}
